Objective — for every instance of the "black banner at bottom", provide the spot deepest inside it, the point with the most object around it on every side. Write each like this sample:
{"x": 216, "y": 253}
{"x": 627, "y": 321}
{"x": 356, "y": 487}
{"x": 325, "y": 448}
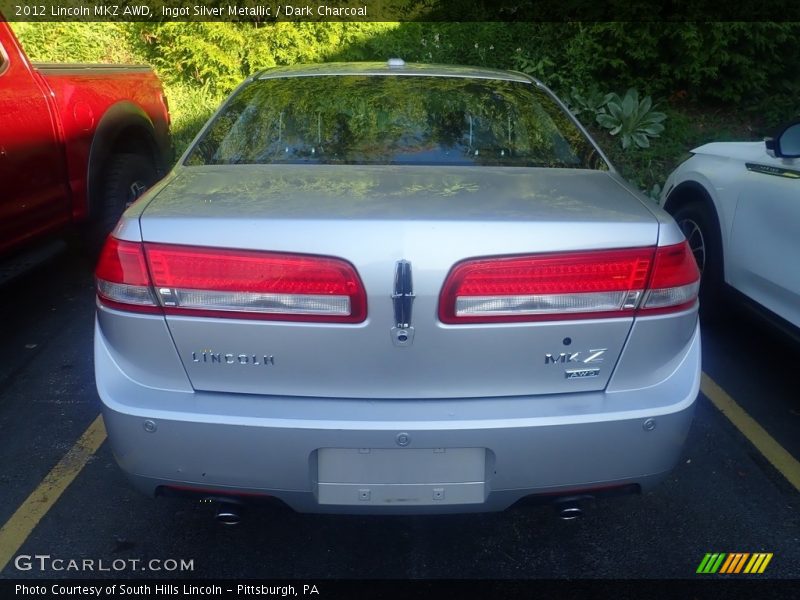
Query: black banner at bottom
{"x": 728, "y": 588}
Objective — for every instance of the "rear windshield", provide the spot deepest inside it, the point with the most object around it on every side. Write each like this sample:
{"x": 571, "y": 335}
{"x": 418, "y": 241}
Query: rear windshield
{"x": 363, "y": 119}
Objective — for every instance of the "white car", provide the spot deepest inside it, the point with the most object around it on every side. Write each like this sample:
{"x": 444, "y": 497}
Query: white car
{"x": 738, "y": 203}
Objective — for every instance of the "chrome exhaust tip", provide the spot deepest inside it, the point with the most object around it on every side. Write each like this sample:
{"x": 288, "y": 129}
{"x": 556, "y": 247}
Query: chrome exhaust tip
{"x": 571, "y": 508}
{"x": 228, "y": 514}
{"x": 570, "y": 513}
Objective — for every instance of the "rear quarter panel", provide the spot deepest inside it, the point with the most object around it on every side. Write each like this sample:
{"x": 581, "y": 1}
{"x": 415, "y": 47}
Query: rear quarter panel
{"x": 83, "y": 95}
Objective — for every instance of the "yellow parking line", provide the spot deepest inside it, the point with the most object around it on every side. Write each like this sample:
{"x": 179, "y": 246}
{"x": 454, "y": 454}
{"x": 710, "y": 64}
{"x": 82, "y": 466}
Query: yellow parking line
{"x": 17, "y": 529}
{"x": 780, "y": 458}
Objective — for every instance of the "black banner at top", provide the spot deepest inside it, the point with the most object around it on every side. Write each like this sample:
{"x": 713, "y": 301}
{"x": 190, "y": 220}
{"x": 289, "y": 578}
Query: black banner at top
{"x": 399, "y": 10}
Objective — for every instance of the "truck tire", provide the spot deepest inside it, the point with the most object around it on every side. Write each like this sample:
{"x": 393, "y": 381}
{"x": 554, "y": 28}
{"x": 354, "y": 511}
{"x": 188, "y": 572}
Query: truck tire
{"x": 126, "y": 177}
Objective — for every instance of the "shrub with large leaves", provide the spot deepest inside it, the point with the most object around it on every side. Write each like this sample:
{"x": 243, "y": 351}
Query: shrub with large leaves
{"x": 633, "y": 120}
{"x": 592, "y": 102}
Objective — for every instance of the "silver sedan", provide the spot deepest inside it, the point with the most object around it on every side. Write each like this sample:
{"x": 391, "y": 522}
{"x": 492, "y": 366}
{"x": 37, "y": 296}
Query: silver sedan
{"x": 396, "y": 288}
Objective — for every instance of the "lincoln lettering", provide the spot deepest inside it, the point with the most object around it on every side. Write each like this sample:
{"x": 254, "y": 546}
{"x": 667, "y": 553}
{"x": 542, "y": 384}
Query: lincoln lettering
{"x": 207, "y": 356}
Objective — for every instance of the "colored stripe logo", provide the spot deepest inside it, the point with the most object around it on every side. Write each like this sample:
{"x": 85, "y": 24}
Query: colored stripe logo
{"x": 734, "y": 563}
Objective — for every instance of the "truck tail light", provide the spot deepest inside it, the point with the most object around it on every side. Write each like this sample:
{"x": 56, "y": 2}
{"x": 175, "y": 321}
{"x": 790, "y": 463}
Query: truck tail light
{"x": 189, "y": 280}
{"x": 570, "y": 285}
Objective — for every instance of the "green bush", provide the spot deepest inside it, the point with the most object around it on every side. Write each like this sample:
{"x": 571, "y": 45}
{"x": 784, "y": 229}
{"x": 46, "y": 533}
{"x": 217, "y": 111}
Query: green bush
{"x": 748, "y": 67}
{"x": 631, "y": 119}
{"x": 208, "y": 55}
{"x": 78, "y": 42}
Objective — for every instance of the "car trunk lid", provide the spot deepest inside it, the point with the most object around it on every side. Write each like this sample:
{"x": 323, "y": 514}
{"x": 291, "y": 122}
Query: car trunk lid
{"x": 373, "y": 217}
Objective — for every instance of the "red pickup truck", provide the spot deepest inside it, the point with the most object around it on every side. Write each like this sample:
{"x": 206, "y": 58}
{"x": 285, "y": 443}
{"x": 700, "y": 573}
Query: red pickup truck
{"x": 78, "y": 143}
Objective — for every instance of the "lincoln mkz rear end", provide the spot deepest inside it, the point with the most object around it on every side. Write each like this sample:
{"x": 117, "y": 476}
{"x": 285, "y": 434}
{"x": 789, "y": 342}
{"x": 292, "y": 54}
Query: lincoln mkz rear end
{"x": 390, "y": 289}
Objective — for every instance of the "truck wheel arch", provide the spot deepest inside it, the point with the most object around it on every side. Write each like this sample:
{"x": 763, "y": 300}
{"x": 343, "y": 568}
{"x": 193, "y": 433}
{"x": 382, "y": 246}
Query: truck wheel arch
{"x": 123, "y": 128}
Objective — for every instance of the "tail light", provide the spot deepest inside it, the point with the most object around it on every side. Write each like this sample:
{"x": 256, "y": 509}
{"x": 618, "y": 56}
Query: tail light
{"x": 188, "y": 280}
{"x": 122, "y": 278}
{"x": 675, "y": 281}
{"x": 573, "y": 285}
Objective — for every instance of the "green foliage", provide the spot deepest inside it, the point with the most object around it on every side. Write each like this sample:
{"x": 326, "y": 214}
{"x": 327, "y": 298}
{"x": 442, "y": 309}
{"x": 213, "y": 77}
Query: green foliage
{"x": 633, "y": 120}
{"x": 592, "y": 102}
{"x": 537, "y": 67}
{"x": 743, "y": 71}
{"x": 78, "y": 42}
{"x": 472, "y": 43}
{"x": 655, "y": 192}
{"x": 747, "y": 64}
{"x": 208, "y": 54}
{"x": 190, "y": 107}
{"x": 556, "y": 54}
{"x": 219, "y": 55}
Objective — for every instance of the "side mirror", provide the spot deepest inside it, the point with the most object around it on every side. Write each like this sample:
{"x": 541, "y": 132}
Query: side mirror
{"x": 786, "y": 144}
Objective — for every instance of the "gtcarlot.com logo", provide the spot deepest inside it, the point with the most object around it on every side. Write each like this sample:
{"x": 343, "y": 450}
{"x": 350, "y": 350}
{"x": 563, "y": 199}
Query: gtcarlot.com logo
{"x": 46, "y": 562}
{"x": 734, "y": 563}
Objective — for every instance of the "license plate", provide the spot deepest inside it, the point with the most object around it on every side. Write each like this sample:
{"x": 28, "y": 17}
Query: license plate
{"x": 411, "y": 476}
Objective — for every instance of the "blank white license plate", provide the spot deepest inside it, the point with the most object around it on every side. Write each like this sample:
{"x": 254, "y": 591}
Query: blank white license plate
{"x": 412, "y": 476}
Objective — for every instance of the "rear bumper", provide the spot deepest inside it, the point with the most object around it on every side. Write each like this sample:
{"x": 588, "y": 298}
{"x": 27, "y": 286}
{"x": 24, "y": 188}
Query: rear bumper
{"x": 246, "y": 444}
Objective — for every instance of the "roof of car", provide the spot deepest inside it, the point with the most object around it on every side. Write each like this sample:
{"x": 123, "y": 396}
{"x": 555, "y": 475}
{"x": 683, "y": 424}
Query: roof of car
{"x": 379, "y": 68}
